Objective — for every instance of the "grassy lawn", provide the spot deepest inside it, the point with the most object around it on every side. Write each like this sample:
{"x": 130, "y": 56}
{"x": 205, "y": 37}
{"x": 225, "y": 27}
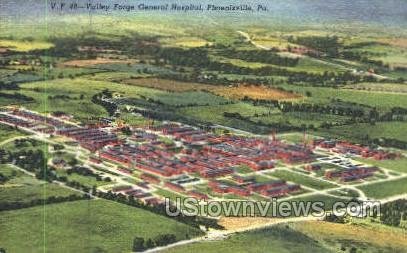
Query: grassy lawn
{"x": 7, "y": 132}
{"x": 26, "y": 192}
{"x": 83, "y": 226}
{"x": 24, "y": 188}
{"x": 296, "y": 137}
{"x": 361, "y": 234}
{"x": 385, "y": 189}
{"x": 169, "y": 194}
{"x": 243, "y": 169}
{"x": 308, "y": 237}
{"x": 399, "y": 165}
{"x": 84, "y": 180}
{"x": 302, "y": 179}
{"x": 278, "y": 239}
{"x": 327, "y": 200}
{"x": 393, "y": 130}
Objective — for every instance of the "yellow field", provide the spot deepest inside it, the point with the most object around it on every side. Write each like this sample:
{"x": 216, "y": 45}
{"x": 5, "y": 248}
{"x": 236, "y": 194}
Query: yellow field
{"x": 254, "y": 92}
{"x": 236, "y": 92}
{"x": 188, "y": 42}
{"x": 24, "y": 46}
{"x": 399, "y": 42}
{"x": 361, "y": 232}
{"x": 238, "y": 223}
{"x": 85, "y": 63}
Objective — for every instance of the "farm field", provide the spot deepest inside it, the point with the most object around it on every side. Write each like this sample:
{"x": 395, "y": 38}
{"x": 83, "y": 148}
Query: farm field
{"x": 115, "y": 76}
{"x": 24, "y": 46}
{"x": 187, "y": 42}
{"x": 90, "y": 63}
{"x": 215, "y": 113}
{"x": 385, "y": 189}
{"x": 21, "y": 188}
{"x": 313, "y": 65}
{"x": 375, "y": 99}
{"x": 380, "y": 87}
{"x": 389, "y": 54}
{"x": 84, "y": 226}
{"x": 301, "y": 118}
{"x": 363, "y": 235}
{"x": 168, "y": 85}
{"x": 134, "y": 68}
{"x": 254, "y": 92}
{"x": 235, "y": 92}
{"x": 83, "y": 108}
{"x": 358, "y": 132}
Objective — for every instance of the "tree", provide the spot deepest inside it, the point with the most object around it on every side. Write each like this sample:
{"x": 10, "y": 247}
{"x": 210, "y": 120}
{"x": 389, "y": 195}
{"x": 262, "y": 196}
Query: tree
{"x": 72, "y": 162}
{"x": 138, "y": 244}
{"x": 164, "y": 239}
{"x": 149, "y": 244}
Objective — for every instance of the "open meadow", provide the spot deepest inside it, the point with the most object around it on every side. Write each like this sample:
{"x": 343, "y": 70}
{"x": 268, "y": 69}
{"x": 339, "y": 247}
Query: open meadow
{"x": 90, "y": 225}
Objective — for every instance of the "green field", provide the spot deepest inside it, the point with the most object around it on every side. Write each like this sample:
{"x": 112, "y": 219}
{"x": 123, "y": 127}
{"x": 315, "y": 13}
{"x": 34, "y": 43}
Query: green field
{"x": 278, "y": 239}
{"x": 83, "y": 108}
{"x": 83, "y": 226}
{"x": 385, "y": 189}
{"x": 394, "y": 56}
{"x": 301, "y": 118}
{"x": 358, "y": 132}
{"x": 300, "y": 237}
{"x": 7, "y": 132}
{"x": 328, "y": 201}
{"x": 314, "y": 65}
{"x": 399, "y": 165}
{"x": 169, "y": 194}
{"x": 302, "y": 179}
{"x": 307, "y": 64}
{"x": 22, "y": 188}
{"x": 376, "y": 99}
{"x": 215, "y": 114}
{"x": 84, "y": 180}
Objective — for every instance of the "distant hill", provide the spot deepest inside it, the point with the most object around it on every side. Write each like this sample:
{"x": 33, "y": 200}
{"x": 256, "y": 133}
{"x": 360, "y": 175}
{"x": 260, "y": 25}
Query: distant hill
{"x": 384, "y": 15}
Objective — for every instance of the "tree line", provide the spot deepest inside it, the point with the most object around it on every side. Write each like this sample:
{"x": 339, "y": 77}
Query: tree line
{"x": 140, "y": 244}
{"x": 393, "y": 213}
